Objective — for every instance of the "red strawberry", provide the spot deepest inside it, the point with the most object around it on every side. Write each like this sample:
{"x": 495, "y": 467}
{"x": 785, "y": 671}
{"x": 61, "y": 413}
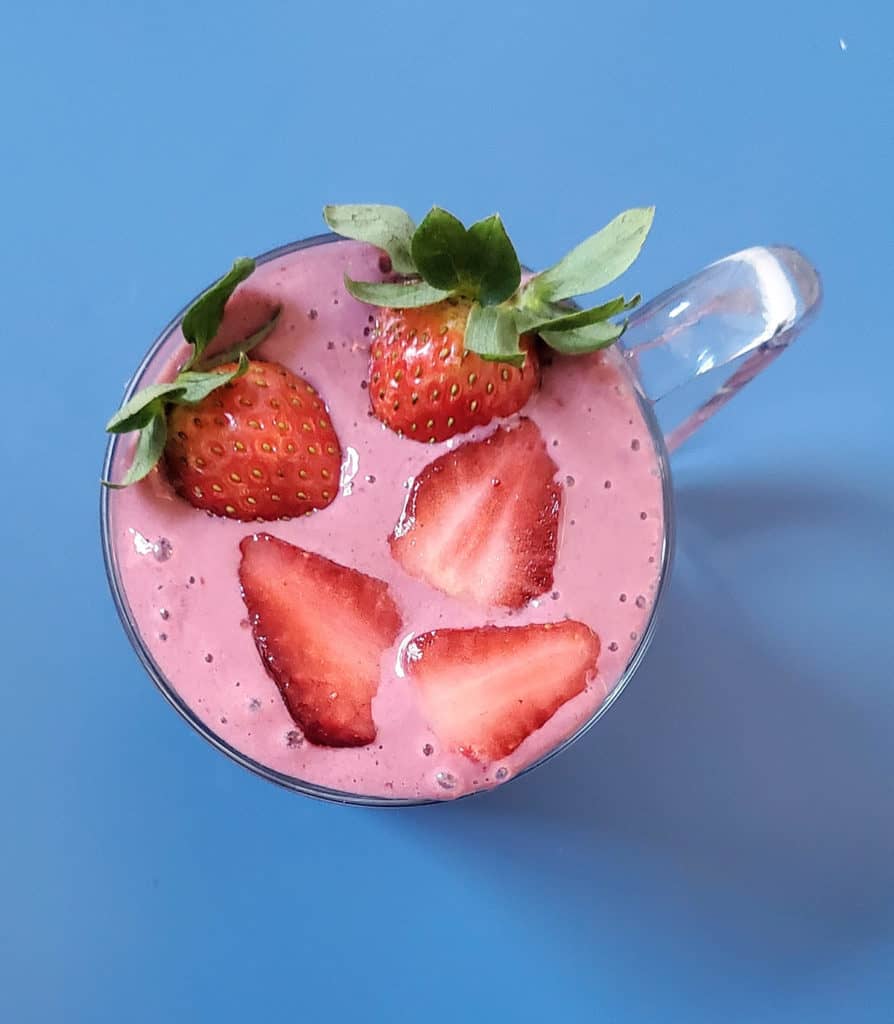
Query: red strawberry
{"x": 321, "y": 630}
{"x": 481, "y": 521}
{"x": 261, "y": 447}
{"x": 485, "y": 690}
{"x": 424, "y": 385}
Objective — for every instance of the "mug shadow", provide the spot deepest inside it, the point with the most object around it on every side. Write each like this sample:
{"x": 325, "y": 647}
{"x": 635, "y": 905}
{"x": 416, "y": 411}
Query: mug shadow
{"x": 743, "y": 774}
{"x": 744, "y": 506}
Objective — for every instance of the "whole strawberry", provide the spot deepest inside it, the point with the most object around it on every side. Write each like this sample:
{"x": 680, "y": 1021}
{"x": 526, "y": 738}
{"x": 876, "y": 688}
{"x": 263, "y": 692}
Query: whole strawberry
{"x": 261, "y": 447}
{"x": 240, "y": 438}
{"x": 425, "y": 385}
{"x": 454, "y": 344}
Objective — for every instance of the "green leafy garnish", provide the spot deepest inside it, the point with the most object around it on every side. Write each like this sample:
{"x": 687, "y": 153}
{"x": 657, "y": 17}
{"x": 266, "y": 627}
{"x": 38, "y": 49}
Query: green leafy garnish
{"x": 400, "y": 296}
{"x": 388, "y": 227}
{"x": 598, "y": 260}
{"x": 202, "y": 320}
{"x": 494, "y": 264}
{"x": 582, "y": 317}
{"x": 441, "y": 258}
{"x": 584, "y": 339}
{"x": 492, "y": 334}
{"x": 136, "y": 413}
{"x": 439, "y": 250}
{"x": 150, "y": 445}
{"x": 147, "y": 410}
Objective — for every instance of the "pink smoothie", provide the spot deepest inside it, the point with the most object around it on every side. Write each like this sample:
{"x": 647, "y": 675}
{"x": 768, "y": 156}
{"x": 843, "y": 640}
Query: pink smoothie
{"x": 178, "y": 565}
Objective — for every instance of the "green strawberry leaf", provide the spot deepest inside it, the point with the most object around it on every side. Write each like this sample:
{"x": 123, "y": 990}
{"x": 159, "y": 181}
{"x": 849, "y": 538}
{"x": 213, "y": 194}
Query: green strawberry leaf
{"x": 243, "y": 347}
{"x": 399, "y": 296}
{"x": 440, "y": 249}
{"x": 202, "y": 320}
{"x": 387, "y": 227}
{"x": 196, "y": 384}
{"x": 584, "y": 339}
{"x": 143, "y": 407}
{"x": 491, "y": 333}
{"x": 493, "y": 264}
{"x": 583, "y": 317}
{"x": 150, "y": 445}
{"x": 598, "y": 260}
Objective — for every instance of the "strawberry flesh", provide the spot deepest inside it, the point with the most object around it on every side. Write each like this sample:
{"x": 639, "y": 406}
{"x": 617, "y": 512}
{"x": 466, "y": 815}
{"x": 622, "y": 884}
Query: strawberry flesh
{"x": 424, "y": 385}
{"x": 261, "y": 447}
{"x": 486, "y": 690}
{"x": 321, "y": 630}
{"x": 481, "y": 522}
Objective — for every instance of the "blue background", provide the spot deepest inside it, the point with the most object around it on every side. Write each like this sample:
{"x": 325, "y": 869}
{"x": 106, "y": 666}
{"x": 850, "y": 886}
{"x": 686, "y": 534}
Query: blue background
{"x": 721, "y": 846}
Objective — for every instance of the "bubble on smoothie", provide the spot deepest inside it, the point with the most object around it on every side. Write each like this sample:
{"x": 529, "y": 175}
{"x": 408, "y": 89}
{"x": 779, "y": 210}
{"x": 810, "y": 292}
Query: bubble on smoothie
{"x": 312, "y": 314}
{"x": 161, "y": 549}
{"x": 330, "y": 345}
{"x": 634, "y": 636}
{"x": 446, "y": 780}
{"x": 501, "y": 773}
{"x": 223, "y": 719}
{"x": 644, "y": 515}
{"x": 428, "y": 750}
{"x": 635, "y": 445}
{"x": 622, "y": 598}
{"x": 608, "y": 485}
{"x": 555, "y": 595}
{"x": 164, "y": 613}
{"x": 613, "y": 646}
{"x": 569, "y": 481}
{"x": 640, "y": 601}
{"x": 294, "y": 738}
{"x": 370, "y": 478}
{"x": 209, "y": 658}
{"x": 254, "y": 704}
{"x": 163, "y": 637}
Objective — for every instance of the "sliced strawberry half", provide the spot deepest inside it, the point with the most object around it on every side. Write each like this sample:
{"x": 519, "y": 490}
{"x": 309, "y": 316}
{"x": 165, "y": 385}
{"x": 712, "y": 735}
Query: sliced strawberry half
{"x": 321, "y": 630}
{"x": 481, "y": 522}
{"x": 486, "y": 690}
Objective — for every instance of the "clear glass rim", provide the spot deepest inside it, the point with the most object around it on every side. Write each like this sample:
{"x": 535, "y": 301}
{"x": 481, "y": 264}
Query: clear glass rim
{"x": 288, "y": 781}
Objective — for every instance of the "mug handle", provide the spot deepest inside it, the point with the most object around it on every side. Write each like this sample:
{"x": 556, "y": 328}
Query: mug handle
{"x": 739, "y": 313}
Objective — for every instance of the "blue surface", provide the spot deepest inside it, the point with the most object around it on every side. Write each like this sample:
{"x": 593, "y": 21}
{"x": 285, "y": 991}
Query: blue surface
{"x": 721, "y": 846}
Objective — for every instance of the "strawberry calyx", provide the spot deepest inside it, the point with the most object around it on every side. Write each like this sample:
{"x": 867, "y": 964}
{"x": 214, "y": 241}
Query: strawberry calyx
{"x": 146, "y": 412}
{"x": 441, "y": 258}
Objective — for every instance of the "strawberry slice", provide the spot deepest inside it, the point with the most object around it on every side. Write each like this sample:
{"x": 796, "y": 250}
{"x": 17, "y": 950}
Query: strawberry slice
{"x": 486, "y": 690}
{"x": 481, "y": 521}
{"x": 320, "y": 629}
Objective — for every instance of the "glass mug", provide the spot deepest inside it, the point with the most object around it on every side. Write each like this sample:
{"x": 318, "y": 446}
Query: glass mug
{"x": 731, "y": 319}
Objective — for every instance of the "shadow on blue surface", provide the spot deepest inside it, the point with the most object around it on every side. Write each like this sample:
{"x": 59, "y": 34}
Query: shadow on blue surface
{"x": 745, "y": 788}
